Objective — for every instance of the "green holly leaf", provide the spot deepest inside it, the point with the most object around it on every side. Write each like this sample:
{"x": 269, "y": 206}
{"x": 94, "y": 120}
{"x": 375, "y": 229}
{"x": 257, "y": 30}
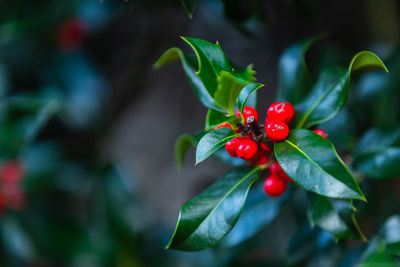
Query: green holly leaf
{"x": 335, "y": 216}
{"x": 211, "y": 61}
{"x": 189, "y": 67}
{"x": 330, "y": 92}
{"x": 217, "y": 82}
{"x": 312, "y": 162}
{"x": 246, "y": 93}
{"x": 206, "y": 219}
{"x": 378, "y": 153}
{"x": 185, "y": 141}
{"x": 229, "y": 88}
{"x": 294, "y": 77}
{"x": 215, "y": 118}
{"x": 212, "y": 141}
{"x": 190, "y": 6}
{"x": 222, "y": 79}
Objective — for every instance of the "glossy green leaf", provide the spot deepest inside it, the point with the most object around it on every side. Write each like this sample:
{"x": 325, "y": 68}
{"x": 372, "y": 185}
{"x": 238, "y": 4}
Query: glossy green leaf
{"x": 211, "y": 61}
{"x": 206, "y": 219}
{"x": 378, "y": 153}
{"x": 217, "y": 82}
{"x": 246, "y": 93}
{"x": 335, "y": 216}
{"x": 294, "y": 77}
{"x": 259, "y": 211}
{"x": 212, "y": 141}
{"x": 215, "y": 118}
{"x": 189, "y": 67}
{"x": 229, "y": 88}
{"x": 311, "y": 161}
{"x": 190, "y": 6}
{"x": 330, "y": 93}
{"x": 222, "y": 79}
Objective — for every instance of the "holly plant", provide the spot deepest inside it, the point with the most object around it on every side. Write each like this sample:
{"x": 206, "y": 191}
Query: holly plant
{"x": 287, "y": 148}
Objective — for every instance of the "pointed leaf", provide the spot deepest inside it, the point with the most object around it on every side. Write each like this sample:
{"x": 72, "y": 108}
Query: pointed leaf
{"x": 222, "y": 79}
{"x": 294, "y": 76}
{"x": 311, "y": 161}
{"x": 190, "y": 6}
{"x": 229, "y": 88}
{"x": 211, "y": 61}
{"x": 212, "y": 141}
{"x": 206, "y": 219}
{"x": 189, "y": 67}
{"x": 335, "y": 216}
{"x": 330, "y": 93}
{"x": 246, "y": 93}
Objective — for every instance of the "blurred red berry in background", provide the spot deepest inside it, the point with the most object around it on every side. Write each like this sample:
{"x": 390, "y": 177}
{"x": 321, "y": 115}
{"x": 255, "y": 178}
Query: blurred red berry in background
{"x": 70, "y": 34}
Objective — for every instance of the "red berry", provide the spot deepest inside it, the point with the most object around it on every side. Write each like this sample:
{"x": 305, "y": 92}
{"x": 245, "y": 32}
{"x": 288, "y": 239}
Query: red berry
{"x": 274, "y": 186}
{"x": 12, "y": 172}
{"x": 321, "y": 133}
{"x": 247, "y": 149}
{"x": 276, "y": 130}
{"x": 260, "y": 159}
{"x": 247, "y": 112}
{"x": 232, "y": 145}
{"x": 70, "y": 34}
{"x": 223, "y": 125}
{"x": 281, "y": 111}
{"x": 277, "y": 171}
{"x": 13, "y": 196}
{"x": 264, "y": 147}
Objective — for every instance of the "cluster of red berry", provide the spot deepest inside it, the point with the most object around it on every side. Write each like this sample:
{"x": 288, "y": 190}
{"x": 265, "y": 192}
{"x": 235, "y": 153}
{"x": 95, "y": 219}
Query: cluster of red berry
{"x": 256, "y": 142}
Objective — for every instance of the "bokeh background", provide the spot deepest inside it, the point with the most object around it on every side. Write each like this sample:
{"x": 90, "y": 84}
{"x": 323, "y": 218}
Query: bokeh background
{"x": 87, "y": 127}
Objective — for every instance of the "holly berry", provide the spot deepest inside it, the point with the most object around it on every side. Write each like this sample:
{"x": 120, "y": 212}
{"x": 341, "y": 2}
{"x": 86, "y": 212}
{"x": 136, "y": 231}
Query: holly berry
{"x": 247, "y": 112}
{"x": 223, "y": 125}
{"x": 70, "y": 34}
{"x": 276, "y": 130}
{"x": 281, "y": 111}
{"x": 232, "y": 145}
{"x": 13, "y": 196}
{"x": 12, "y": 171}
{"x": 321, "y": 133}
{"x": 247, "y": 149}
{"x": 277, "y": 171}
{"x": 261, "y": 158}
{"x": 274, "y": 186}
{"x": 264, "y": 147}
